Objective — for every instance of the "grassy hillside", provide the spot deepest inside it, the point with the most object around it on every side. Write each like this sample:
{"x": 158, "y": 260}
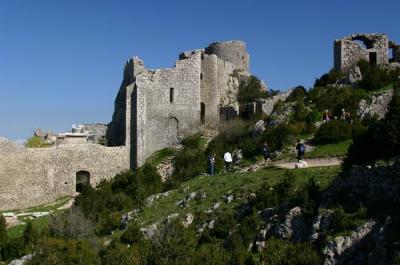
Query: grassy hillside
{"x": 240, "y": 185}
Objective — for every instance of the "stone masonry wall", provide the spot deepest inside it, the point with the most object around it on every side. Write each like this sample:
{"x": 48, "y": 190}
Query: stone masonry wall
{"x": 159, "y": 122}
{"x": 231, "y": 51}
{"x": 31, "y": 177}
{"x": 347, "y": 52}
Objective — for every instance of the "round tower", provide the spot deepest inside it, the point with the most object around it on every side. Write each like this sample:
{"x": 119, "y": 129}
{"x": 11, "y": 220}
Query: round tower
{"x": 231, "y": 51}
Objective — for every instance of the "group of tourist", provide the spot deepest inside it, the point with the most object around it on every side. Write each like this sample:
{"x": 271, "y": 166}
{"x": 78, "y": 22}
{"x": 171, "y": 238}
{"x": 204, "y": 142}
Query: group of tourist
{"x": 345, "y": 116}
{"x": 211, "y": 162}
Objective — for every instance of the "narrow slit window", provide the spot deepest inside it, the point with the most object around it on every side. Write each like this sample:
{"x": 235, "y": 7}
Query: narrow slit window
{"x": 171, "y": 95}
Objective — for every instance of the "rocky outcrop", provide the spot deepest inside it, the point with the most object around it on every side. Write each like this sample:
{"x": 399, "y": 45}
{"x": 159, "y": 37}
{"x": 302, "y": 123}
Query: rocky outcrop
{"x": 341, "y": 248}
{"x": 294, "y": 225}
{"x": 266, "y": 106}
{"x": 22, "y": 260}
{"x": 377, "y": 105}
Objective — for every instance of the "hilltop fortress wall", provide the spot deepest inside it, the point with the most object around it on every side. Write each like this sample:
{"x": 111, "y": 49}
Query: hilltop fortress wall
{"x": 35, "y": 176}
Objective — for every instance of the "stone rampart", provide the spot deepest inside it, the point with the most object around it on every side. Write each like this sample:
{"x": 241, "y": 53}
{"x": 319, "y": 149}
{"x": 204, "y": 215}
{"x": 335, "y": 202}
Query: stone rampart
{"x": 35, "y": 176}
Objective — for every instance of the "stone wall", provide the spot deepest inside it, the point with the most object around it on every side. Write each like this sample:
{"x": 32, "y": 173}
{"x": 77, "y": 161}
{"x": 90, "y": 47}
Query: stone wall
{"x": 159, "y": 122}
{"x": 231, "y": 51}
{"x": 349, "y": 50}
{"x": 35, "y": 176}
{"x": 204, "y": 84}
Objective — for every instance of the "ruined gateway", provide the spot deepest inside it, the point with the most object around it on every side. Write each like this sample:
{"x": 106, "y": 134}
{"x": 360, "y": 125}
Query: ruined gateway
{"x": 374, "y": 48}
{"x": 158, "y": 108}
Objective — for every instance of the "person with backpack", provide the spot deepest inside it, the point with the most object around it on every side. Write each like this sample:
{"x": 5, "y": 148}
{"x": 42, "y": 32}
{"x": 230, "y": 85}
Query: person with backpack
{"x": 301, "y": 149}
{"x": 266, "y": 152}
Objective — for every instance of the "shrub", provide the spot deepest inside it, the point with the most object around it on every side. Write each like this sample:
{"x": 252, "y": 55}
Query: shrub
{"x": 71, "y": 224}
{"x": 132, "y": 235}
{"x": 333, "y": 132}
{"x": 36, "y": 142}
{"x": 50, "y": 251}
{"x": 119, "y": 254}
{"x": 297, "y": 94}
{"x": 375, "y": 77}
{"x": 381, "y": 140}
{"x": 250, "y": 90}
{"x": 233, "y": 135}
{"x": 30, "y": 235}
{"x": 191, "y": 161}
{"x": 279, "y": 251}
{"x": 335, "y": 98}
{"x": 3, "y": 231}
{"x": 330, "y": 78}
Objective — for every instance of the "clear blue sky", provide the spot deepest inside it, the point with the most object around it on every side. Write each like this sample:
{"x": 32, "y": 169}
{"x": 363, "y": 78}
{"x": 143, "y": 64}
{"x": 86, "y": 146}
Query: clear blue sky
{"x": 61, "y": 61}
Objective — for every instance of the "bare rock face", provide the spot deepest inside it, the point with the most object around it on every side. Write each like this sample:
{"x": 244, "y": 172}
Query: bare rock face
{"x": 321, "y": 223}
{"x": 22, "y": 260}
{"x": 377, "y": 105}
{"x": 354, "y": 75}
{"x": 259, "y": 128}
{"x": 294, "y": 225}
{"x": 340, "y": 248}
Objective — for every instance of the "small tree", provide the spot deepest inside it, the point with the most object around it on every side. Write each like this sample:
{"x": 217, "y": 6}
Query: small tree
{"x": 250, "y": 90}
{"x": 30, "y": 234}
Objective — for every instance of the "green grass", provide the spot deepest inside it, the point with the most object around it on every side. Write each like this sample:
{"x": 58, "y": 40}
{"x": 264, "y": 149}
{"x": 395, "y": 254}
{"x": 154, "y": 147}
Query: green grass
{"x": 53, "y": 206}
{"x": 160, "y": 155}
{"x": 385, "y": 88}
{"x": 329, "y": 150}
{"x": 215, "y": 187}
{"x": 39, "y": 224}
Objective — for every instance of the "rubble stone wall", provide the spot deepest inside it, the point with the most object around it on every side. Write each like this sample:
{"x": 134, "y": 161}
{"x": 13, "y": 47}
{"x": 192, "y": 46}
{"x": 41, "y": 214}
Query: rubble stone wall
{"x": 35, "y": 176}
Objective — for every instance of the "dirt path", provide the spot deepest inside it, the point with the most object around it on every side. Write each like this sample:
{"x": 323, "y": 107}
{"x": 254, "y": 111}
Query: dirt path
{"x": 312, "y": 162}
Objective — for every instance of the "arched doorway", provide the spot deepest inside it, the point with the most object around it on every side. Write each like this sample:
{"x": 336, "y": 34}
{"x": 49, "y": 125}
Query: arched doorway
{"x": 82, "y": 180}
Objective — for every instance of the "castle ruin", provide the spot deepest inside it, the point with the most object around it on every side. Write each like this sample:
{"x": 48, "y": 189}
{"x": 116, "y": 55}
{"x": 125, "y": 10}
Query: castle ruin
{"x": 158, "y": 108}
{"x": 374, "y": 48}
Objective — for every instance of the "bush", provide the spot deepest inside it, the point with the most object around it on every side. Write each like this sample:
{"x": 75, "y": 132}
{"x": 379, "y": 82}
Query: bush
{"x": 335, "y": 98}
{"x": 71, "y": 224}
{"x": 333, "y": 132}
{"x": 375, "y": 77}
{"x": 329, "y": 79}
{"x": 279, "y": 251}
{"x": 119, "y": 254}
{"x": 132, "y": 235}
{"x": 297, "y": 94}
{"x": 381, "y": 140}
{"x": 36, "y": 142}
{"x": 250, "y": 90}
{"x": 50, "y": 251}
{"x": 191, "y": 161}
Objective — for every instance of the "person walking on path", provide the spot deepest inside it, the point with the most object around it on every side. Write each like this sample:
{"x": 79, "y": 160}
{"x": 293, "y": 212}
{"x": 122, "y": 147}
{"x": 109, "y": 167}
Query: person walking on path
{"x": 228, "y": 160}
{"x": 266, "y": 152}
{"x": 211, "y": 164}
{"x": 301, "y": 149}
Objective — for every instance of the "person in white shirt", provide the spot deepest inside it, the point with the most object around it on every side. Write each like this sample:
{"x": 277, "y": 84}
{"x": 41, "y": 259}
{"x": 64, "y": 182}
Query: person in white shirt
{"x": 228, "y": 160}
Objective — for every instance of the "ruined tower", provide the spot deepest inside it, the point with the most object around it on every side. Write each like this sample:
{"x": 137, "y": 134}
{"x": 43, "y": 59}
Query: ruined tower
{"x": 373, "y": 47}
